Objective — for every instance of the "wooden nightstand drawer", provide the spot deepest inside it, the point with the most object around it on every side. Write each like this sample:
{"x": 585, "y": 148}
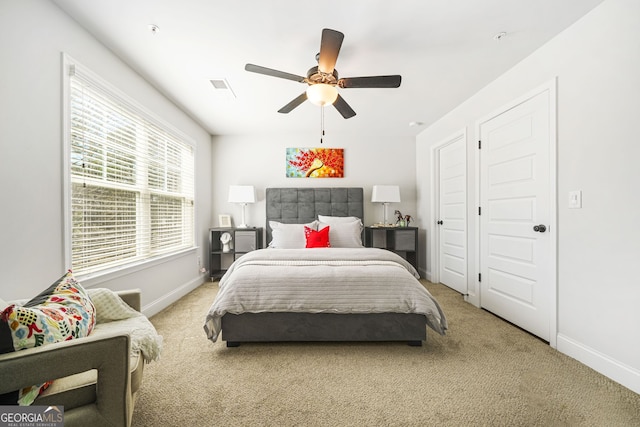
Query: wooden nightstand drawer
{"x": 404, "y": 240}
{"x": 245, "y": 241}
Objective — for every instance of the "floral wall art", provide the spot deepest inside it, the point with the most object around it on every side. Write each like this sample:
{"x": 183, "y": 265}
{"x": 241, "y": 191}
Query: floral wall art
{"x": 315, "y": 162}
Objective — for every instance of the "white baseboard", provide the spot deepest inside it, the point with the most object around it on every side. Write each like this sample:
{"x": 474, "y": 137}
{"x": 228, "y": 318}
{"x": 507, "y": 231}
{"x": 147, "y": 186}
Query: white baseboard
{"x": 166, "y": 300}
{"x": 615, "y": 370}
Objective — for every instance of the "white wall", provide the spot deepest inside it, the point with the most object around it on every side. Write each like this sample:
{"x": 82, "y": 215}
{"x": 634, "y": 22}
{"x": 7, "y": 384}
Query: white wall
{"x": 259, "y": 160}
{"x": 597, "y": 64}
{"x": 33, "y": 34}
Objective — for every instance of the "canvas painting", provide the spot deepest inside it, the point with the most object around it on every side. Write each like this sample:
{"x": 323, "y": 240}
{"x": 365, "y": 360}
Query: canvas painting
{"x": 315, "y": 162}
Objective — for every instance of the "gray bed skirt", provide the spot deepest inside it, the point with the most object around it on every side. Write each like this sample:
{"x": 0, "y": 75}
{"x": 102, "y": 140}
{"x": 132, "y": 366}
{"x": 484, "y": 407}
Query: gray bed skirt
{"x": 278, "y": 327}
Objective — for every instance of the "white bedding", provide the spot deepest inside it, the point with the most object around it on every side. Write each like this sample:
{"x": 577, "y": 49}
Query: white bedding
{"x": 322, "y": 280}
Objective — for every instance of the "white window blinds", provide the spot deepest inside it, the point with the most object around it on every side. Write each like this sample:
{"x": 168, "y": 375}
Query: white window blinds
{"x": 131, "y": 180}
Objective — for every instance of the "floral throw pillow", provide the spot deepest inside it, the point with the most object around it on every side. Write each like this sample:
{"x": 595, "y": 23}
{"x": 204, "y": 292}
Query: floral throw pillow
{"x": 62, "y": 312}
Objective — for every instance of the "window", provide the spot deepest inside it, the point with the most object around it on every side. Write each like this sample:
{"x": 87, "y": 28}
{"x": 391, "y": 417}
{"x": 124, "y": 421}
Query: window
{"x": 130, "y": 179}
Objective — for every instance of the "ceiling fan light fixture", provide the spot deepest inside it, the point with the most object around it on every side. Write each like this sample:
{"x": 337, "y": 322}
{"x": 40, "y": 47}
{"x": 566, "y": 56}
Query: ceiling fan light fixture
{"x": 323, "y": 81}
{"x": 322, "y": 94}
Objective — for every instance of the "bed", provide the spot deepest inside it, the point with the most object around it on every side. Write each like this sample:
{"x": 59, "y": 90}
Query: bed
{"x": 341, "y": 293}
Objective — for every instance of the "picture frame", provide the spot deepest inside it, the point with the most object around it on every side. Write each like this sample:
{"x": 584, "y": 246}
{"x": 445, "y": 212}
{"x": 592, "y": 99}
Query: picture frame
{"x": 224, "y": 221}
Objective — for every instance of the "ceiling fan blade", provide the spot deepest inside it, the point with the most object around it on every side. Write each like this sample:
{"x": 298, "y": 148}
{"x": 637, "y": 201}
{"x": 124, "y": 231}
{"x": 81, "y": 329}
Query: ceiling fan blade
{"x": 293, "y": 104}
{"x": 372, "y": 81}
{"x": 329, "y": 48}
{"x": 273, "y": 73}
{"x": 343, "y": 108}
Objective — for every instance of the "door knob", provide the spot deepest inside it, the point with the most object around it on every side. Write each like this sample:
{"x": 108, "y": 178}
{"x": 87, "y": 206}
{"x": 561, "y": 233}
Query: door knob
{"x": 439, "y": 222}
{"x": 540, "y": 228}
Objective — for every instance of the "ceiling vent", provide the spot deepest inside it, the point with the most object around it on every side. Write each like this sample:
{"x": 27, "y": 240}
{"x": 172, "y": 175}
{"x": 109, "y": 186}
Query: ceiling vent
{"x": 219, "y": 84}
{"x": 222, "y": 86}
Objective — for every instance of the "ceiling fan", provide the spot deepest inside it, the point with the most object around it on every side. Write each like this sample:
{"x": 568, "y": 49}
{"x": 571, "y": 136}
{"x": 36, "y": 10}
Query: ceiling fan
{"x": 323, "y": 79}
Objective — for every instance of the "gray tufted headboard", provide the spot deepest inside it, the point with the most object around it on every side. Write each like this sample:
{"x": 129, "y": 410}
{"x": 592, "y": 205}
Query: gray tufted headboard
{"x": 302, "y": 205}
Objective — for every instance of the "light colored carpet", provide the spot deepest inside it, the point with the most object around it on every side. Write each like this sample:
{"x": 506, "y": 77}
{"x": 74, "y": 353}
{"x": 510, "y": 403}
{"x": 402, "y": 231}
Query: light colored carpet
{"x": 483, "y": 372}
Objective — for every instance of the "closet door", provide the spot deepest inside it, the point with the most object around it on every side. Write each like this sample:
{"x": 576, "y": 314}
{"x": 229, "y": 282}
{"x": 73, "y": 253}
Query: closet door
{"x": 517, "y": 226}
{"x": 452, "y": 213}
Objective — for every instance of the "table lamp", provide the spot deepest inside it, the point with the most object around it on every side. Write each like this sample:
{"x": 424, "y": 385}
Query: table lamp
{"x": 385, "y": 194}
{"x": 242, "y": 194}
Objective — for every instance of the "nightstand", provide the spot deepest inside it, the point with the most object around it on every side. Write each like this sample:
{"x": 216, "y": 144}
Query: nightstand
{"x": 243, "y": 240}
{"x": 401, "y": 240}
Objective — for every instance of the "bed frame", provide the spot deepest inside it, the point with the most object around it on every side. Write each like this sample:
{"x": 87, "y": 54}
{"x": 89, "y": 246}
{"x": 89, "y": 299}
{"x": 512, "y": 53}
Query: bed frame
{"x": 303, "y": 205}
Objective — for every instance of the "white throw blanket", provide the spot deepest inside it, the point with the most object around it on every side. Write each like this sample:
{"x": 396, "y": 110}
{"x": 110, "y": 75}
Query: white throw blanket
{"x": 116, "y": 316}
{"x": 322, "y": 280}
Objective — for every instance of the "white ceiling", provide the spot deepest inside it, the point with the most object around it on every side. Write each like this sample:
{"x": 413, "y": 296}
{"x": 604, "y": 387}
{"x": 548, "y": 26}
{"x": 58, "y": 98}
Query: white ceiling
{"x": 444, "y": 50}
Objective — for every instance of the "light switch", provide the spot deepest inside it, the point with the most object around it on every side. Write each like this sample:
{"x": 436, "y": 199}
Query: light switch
{"x": 575, "y": 199}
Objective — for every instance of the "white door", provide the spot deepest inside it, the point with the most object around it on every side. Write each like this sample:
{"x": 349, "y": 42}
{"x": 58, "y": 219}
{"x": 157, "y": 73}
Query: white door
{"x": 517, "y": 235}
{"x": 452, "y": 214}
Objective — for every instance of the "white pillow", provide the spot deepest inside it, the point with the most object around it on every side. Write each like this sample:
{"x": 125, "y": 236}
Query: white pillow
{"x": 337, "y": 219}
{"x": 344, "y": 234}
{"x": 289, "y": 236}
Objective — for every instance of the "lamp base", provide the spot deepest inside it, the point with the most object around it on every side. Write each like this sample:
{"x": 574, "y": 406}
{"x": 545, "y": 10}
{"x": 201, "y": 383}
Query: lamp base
{"x": 243, "y": 224}
{"x": 385, "y": 204}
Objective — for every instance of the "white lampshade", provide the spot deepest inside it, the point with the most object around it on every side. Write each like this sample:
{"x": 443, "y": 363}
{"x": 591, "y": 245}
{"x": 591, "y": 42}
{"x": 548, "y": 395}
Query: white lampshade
{"x": 322, "y": 94}
{"x": 242, "y": 194}
{"x": 385, "y": 194}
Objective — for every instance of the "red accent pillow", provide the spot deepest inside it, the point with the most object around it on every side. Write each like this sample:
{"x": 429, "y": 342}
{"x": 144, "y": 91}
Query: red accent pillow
{"x": 317, "y": 239}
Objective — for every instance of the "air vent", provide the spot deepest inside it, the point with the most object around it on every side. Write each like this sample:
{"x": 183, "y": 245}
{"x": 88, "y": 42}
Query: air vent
{"x": 219, "y": 84}
{"x": 222, "y": 86}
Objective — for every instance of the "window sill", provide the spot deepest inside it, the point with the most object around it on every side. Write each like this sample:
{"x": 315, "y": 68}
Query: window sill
{"x": 92, "y": 279}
